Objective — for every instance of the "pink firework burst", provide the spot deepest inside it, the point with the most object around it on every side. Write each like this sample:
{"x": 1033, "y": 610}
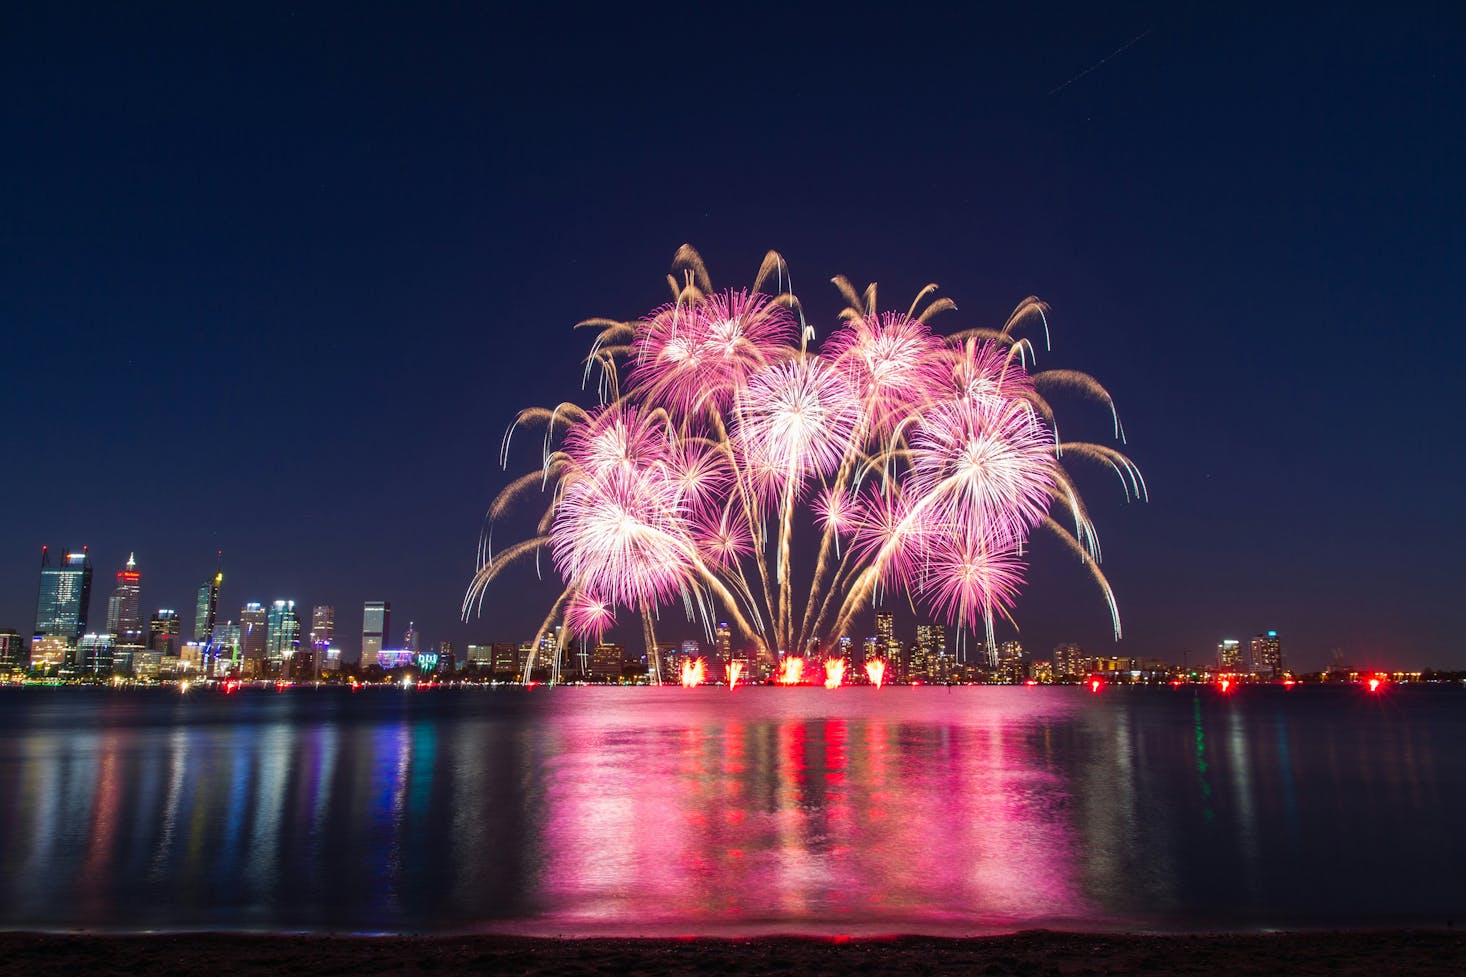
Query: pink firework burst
{"x": 797, "y": 419}
{"x": 589, "y": 616}
{"x": 891, "y": 360}
{"x": 969, "y": 577}
{"x": 983, "y": 465}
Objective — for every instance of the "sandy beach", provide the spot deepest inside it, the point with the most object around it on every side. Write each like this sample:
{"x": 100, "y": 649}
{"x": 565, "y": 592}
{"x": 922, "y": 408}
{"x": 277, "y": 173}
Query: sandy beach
{"x": 1040, "y": 954}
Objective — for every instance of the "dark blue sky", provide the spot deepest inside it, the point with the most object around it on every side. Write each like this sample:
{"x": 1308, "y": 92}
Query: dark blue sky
{"x": 275, "y": 279}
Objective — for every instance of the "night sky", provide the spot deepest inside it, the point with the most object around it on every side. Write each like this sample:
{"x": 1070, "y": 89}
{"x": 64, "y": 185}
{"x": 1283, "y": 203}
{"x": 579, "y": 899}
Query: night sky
{"x": 275, "y": 280}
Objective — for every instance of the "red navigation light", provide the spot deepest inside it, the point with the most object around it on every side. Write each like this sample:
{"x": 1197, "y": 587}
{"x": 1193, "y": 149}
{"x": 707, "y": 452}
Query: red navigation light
{"x": 1095, "y": 684}
{"x": 1031, "y": 682}
{"x": 1224, "y": 686}
{"x": 1288, "y": 683}
{"x": 1175, "y": 683}
{"x": 1374, "y": 683}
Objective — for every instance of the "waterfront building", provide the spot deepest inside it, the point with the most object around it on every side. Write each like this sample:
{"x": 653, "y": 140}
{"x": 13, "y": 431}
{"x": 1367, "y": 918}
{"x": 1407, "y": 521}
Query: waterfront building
{"x": 206, "y": 608}
{"x": 607, "y": 661}
{"x": 65, "y": 596}
{"x": 1010, "y": 667}
{"x": 390, "y": 658}
{"x": 282, "y": 634}
{"x": 330, "y": 660}
{"x": 447, "y": 660}
{"x": 124, "y": 611}
{"x": 51, "y": 651}
{"x": 1069, "y": 662}
{"x": 323, "y": 627}
{"x": 94, "y": 654}
{"x": 1267, "y": 654}
{"x": 376, "y": 625}
{"x": 165, "y": 632}
{"x": 1229, "y": 655}
{"x": 506, "y": 660}
{"x": 125, "y": 656}
{"x": 224, "y": 648}
{"x": 929, "y": 661}
{"x": 14, "y": 651}
{"x": 253, "y": 622}
{"x": 410, "y": 637}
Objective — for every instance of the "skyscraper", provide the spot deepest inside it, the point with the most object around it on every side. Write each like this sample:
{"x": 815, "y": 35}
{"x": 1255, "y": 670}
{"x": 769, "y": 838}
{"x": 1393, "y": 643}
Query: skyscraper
{"x": 65, "y": 596}
{"x": 1229, "y": 655}
{"x": 323, "y": 627}
{"x": 888, "y": 647}
{"x": 124, "y": 613}
{"x": 252, "y": 625}
{"x": 207, "y": 608}
{"x": 1267, "y": 654}
{"x": 376, "y": 623}
{"x": 164, "y": 632}
{"x": 282, "y": 634}
{"x": 14, "y": 655}
{"x": 409, "y": 637}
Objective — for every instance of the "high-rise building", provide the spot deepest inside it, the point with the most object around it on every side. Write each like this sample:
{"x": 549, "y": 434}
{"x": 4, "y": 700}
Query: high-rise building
{"x": 14, "y": 655}
{"x": 506, "y": 661}
{"x": 1010, "y": 663}
{"x": 886, "y": 641}
{"x": 206, "y": 610}
{"x": 447, "y": 661}
{"x": 323, "y": 627}
{"x": 929, "y": 661}
{"x": 253, "y": 622}
{"x": 282, "y": 633}
{"x": 607, "y": 661}
{"x": 376, "y": 624}
{"x": 1229, "y": 655}
{"x": 124, "y": 613}
{"x": 165, "y": 631}
{"x": 1267, "y": 654}
{"x": 94, "y": 654}
{"x": 226, "y": 647}
{"x": 65, "y": 596}
{"x": 410, "y": 637}
{"x": 1069, "y": 662}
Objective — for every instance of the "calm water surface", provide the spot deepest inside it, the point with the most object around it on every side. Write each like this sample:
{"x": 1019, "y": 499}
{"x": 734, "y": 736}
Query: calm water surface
{"x": 656, "y": 811}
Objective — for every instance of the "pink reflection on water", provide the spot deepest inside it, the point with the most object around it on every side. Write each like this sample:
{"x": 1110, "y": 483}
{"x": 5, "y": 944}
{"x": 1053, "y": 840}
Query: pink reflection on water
{"x": 915, "y": 809}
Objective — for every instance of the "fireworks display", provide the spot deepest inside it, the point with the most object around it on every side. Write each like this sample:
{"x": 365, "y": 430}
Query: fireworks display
{"x": 908, "y": 462}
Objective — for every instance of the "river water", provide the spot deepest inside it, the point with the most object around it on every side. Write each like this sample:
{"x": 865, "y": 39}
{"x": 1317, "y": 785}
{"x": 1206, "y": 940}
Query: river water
{"x": 646, "y": 811}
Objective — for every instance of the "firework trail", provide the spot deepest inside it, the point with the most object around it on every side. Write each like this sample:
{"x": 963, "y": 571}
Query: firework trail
{"x": 924, "y": 463}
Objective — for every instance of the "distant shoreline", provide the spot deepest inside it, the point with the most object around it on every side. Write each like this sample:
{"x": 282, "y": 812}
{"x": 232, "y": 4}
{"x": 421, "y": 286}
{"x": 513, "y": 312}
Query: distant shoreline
{"x": 1412, "y": 953}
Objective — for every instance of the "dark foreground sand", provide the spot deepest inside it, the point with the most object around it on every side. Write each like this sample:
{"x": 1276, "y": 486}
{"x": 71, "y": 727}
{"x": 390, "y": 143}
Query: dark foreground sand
{"x": 1036, "y": 953}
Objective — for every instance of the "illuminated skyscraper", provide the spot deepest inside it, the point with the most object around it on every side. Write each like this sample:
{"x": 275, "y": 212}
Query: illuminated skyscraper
{"x": 929, "y": 659}
{"x": 94, "y": 654}
{"x": 1267, "y": 654}
{"x": 252, "y": 625}
{"x": 1069, "y": 662}
{"x": 65, "y": 596}
{"x": 14, "y": 654}
{"x": 376, "y": 623}
{"x": 165, "y": 632}
{"x": 1229, "y": 655}
{"x": 282, "y": 633}
{"x": 124, "y": 613}
{"x": 410, "y": 637}
{"x": 206, "y": 610}
{"x": 1010, "y": 662}
{"x": 323, "y": 627}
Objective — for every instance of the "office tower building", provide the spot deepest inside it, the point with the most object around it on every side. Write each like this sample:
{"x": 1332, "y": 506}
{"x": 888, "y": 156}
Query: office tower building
{"x": 282, "y": 634}
{"x": 607, "y": 662}
{"x": 225, "y": 648}
{"x": 376, "y": 623}
{"x": 1010, "y": 668}
{"x": 14, "y": 652}
{"x": 507, "y": 661}
{"x": 410, "y": 638}
{"x": 1267, "y": 655}
{"x": 886, "y": 641}
{"x": 124, "y": 611}
{"x": 1069, "y": 662}
{"x": 929, "y": 656}
{"x": 1229, "y": 655}
{"x": 724, "y": 636}
{"x": 207, "y": 608}
{"x": 447, "y": 660}
{"x": 253, "y": 622}
{"x": 323, "y": 627}
{"x": 165, "y": 633}
{"x": 65, "y": 596}
{"x": 94, "y": 654}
